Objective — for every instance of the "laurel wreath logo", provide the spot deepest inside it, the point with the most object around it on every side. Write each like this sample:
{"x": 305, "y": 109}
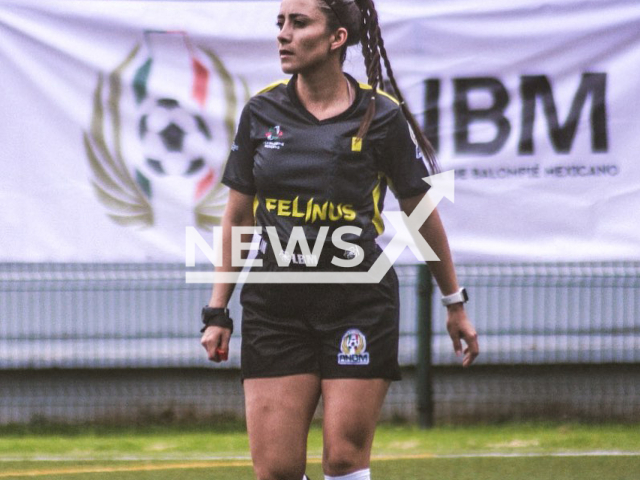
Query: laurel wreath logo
{"x": 114, "y": 183}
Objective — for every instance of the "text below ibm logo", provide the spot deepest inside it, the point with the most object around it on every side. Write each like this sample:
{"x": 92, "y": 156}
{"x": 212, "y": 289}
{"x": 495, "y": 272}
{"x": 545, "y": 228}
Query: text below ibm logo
{"x": 353, "y": 349}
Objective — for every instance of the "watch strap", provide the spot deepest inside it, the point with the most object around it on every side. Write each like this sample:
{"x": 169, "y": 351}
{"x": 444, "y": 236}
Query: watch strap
{"x": 217, "y": 317}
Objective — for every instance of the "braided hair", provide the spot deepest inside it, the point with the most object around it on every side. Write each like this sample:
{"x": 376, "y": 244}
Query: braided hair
{"x": 360, "y": 19}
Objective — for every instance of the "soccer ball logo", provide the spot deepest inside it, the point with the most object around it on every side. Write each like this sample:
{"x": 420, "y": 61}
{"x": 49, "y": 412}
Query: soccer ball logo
{"x": 155, "y": 160}
{"x": 174, "y": 141}
{"x": 353, "y": 342}
{"x": 352, "y": 252}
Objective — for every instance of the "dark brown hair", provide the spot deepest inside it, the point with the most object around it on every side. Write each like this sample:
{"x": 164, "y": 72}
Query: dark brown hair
{"x": 360, "y": 19}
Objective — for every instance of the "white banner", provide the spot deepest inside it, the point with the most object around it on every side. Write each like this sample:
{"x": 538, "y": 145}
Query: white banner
{"x": 118, "y": 116}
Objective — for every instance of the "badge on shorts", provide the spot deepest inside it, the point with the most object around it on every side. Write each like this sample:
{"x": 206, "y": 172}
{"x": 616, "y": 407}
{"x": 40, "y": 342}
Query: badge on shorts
{"x": 353, "y": 349}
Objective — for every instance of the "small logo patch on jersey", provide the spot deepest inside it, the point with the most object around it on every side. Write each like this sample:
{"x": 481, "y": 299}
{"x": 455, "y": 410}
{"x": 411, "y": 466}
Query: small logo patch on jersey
{"x": 351, "y": 253}
{"x": 273, "y": 135}
{"x": 353, "y": 348}
{"x": 356, "y": 144}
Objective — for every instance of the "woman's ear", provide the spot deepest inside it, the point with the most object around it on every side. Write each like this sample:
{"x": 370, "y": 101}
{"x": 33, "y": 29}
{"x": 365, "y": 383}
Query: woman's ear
{"x": 339, "y": 39}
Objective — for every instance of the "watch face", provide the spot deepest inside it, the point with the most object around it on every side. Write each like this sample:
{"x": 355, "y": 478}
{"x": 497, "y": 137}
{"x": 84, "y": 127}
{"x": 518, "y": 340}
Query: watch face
{"x": 465, "y": 296}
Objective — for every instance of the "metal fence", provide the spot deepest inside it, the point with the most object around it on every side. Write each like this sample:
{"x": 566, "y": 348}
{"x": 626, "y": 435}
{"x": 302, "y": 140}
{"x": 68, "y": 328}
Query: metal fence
{"x": 66, "y": 328}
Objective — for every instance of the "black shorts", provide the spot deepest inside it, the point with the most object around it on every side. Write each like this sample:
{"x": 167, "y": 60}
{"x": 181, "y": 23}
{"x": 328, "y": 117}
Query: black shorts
{"x": 333, "y": 330}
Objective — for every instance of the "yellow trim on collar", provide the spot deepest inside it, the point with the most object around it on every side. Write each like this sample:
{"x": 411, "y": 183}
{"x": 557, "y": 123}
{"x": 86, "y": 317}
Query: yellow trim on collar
{"x": 272, "y": 86}
{"x": 366, "y": 86}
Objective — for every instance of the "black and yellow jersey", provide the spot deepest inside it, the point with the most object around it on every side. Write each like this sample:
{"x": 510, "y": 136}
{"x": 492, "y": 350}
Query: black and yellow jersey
{"x": 311, "y": 173}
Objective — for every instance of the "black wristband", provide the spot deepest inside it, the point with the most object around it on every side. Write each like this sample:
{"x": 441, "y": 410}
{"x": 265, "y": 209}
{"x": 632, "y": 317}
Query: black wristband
{"x": 217, "y": 317}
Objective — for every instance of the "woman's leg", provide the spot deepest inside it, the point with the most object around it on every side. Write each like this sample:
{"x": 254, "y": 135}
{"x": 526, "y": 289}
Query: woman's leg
{"x": 351, "y": 411}
{"x": 279, "y": 411}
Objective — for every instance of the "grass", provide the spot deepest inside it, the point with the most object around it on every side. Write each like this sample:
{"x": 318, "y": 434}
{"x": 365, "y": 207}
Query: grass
{"x": 576, "y": 468}
{"x": 220, "y": 451}
{"x": 226, "y": 439}
{"x": 509, "y": 438}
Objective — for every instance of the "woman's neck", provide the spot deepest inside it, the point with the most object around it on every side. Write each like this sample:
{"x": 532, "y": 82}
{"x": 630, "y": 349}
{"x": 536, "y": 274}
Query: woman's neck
{"x": 324, "y": 93}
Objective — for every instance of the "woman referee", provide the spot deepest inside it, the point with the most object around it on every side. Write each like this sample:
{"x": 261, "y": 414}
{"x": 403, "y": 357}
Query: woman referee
{"x": 316, "y": 153}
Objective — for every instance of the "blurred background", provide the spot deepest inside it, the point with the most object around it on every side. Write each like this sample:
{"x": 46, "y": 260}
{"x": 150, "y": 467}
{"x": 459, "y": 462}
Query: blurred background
{"x": 117, "y": 119}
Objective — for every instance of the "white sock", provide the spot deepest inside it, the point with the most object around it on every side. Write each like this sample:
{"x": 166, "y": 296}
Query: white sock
{"x": 359, "y": 475}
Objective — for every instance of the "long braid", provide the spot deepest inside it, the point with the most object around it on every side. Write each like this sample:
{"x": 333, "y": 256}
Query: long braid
{"x": 423, "y": 142}
{"x": 369, "y": 39}
{"x": 373, "y": 50}
{"x": 341, "y": 13}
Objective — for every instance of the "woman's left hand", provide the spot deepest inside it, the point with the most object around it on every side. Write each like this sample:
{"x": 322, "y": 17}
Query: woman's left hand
{"x": 460, "y": 329}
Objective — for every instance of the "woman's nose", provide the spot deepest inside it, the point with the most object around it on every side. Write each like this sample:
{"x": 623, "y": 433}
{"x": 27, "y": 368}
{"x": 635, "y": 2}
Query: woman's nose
{"x": 284, "y": 35}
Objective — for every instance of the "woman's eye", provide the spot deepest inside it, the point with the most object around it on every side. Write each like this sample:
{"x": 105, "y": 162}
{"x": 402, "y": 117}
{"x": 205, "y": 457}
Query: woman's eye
{"x": 294, "y": 23}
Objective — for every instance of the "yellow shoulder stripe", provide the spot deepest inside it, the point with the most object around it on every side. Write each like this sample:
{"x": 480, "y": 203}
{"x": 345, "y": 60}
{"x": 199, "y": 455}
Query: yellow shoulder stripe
{"x": 366, "y": 86}
{"x": 272, "y": 86}
{"x": 256, "y": 204}
{"x": 377, "y": 221}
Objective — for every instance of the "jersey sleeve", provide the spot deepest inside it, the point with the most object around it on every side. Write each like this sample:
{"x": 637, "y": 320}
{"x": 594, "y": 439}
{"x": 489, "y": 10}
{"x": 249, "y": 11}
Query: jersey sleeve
{"x": 402, "y": 160}
{"x": 238, "y": 173}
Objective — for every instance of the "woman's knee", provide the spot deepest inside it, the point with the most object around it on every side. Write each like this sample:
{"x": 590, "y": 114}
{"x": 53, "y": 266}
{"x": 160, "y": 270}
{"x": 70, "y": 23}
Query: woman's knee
{"x": 279, "y": 471}
{"x": 345, "y": 456}
{"x": 279, "y": 461}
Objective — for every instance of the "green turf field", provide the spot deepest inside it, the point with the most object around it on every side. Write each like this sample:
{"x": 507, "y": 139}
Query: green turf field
{"x": 506, "y": 452}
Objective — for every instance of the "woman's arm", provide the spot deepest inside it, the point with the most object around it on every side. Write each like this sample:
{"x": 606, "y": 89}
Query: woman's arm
{"x": 238, "y": 213}
{"x": 458, "y": 325}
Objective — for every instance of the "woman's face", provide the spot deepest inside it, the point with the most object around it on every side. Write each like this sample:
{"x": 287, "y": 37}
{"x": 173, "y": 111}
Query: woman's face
{"x": 303, "y": 41}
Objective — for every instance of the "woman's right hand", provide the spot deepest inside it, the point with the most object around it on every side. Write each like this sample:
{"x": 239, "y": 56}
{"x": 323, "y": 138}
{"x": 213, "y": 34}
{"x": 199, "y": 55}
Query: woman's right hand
{"x": 215, "y": 341}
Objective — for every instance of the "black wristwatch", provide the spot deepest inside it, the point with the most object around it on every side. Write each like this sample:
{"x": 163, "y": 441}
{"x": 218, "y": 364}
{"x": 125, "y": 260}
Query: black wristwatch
{"x": 218, "y": 317}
